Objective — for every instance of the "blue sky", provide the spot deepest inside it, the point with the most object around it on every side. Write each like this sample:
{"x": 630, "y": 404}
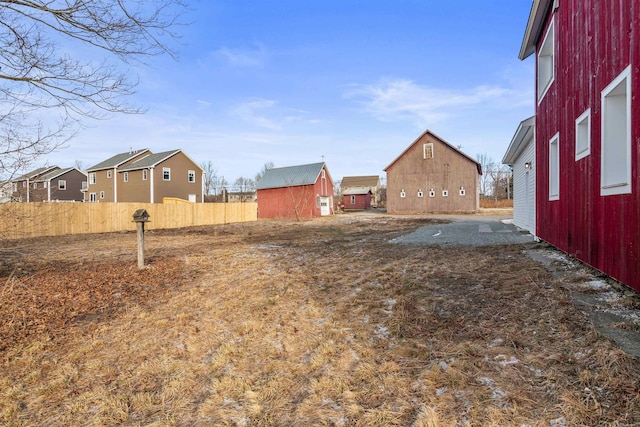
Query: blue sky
{"x": 351, "y": 81}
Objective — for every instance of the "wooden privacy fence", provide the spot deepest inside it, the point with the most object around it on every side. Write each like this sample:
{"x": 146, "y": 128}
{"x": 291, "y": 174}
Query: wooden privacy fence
{"x": 21, "y": 220}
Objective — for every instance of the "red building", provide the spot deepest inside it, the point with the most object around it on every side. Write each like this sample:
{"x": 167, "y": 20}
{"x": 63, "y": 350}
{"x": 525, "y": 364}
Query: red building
{"x": 587, "y": 130}
{"x": 357, "y": 199}
{"x": 304, "y": 191}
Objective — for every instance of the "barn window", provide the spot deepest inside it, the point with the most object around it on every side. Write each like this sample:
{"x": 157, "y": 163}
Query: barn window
{"x": 432, "y": 193}
{"x": 353, "y": 200}
{"x": 546, "y": 62}
{"x": 583, "y": 135}
{"x": 462, "y": 191}
{"x": 62, "y": 184}
{"x": 445, "y": 193}
{"x": 420, "y": 193}
{"x": 403, "y": 194}
{"x": 427, "y": 150}
{"x": 166, "y": 174}
{"x": 554, "y": 167}
{"x": 615, "y": 158}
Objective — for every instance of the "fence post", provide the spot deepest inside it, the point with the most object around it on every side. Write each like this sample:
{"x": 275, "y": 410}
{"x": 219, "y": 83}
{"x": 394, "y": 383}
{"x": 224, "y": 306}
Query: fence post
{"x": 140, "y": 217}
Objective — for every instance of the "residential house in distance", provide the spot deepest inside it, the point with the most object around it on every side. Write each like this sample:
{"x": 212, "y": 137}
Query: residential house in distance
{"x": 432, "y": 175}
{"x": 587, "y": 130}
{"x": 6, "y": 190}
{"x": 60, "y": 185}
{"x": 49, "y": 184}
{"x": 521, "y": 157}
{"x": 356, "y": 184}
{"x": 102, "y": 184}
{"x": 23, "y": 185}
{"x": 303, "y": 191}
{"x": 156, "y": 176}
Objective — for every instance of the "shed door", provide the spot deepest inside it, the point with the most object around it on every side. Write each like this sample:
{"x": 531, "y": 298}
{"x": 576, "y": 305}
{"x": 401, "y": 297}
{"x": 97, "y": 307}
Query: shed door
{"x": 324, "y": 206}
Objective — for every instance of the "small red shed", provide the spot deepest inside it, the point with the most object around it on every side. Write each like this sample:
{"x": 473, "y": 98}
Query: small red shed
{"x": 303, "y": 191}
{"x": 587, "y": 130}
{"x": 357, "y": 199}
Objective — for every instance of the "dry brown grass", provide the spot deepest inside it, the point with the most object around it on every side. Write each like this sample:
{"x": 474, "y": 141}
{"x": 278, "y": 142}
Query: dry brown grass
{"x": 315, "y": 323}
{"x": 489, "y": 203}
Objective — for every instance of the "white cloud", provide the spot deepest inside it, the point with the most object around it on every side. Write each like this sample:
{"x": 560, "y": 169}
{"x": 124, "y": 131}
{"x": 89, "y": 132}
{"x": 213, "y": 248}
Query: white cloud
{"x": 401, "y": 99}
{"x": 243, "y": 57}
{"x": 253, "y": 112}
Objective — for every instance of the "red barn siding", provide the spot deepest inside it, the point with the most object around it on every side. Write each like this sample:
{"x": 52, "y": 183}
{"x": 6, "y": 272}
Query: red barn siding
{"x": 360, "y": 201}
{"x": 283, "y": 202}
{"x": 594, "y": 42}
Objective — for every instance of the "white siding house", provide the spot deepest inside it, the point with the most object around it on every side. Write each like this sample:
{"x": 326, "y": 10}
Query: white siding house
{"x": 521, "y": 157}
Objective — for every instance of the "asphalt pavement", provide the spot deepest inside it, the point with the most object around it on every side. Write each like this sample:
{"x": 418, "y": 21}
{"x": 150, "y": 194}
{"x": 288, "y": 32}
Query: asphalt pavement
{"x": 467, "y": 230}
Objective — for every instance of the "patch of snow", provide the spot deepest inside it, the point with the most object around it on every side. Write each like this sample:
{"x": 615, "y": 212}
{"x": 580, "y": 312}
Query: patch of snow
{"x": 596, "y": 285}
{"x": 558, "y": 422}
{"x": 496, "y": 342}
{"x": 507, "y": 221}
{"x": 381, "y": 331}
{"x": 503, "y": 361}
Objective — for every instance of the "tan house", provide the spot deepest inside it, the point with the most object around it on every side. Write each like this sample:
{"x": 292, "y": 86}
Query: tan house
{"x": 357, "y": 184}
{"x": 50, "y": 184}
{"x": 103, "y": 185}
{"x": 432, "y": 175}
{"x": 160, "y": 175}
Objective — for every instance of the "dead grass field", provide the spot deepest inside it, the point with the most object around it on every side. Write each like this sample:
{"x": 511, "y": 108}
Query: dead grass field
{"x": 298, "y": 324}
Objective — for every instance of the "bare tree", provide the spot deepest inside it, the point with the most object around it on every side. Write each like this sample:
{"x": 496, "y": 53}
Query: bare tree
{"x": 487, "y": 164}
{"x": 265, "y": 168}
{"x": 299, "y": 199}
{"x": 243, "y": 184}
{"x": 46, "y": 93}
{"x": 210, "y": 178}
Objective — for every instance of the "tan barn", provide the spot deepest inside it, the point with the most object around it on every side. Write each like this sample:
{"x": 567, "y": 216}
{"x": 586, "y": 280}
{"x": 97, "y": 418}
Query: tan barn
{"x": 432, "y": 175}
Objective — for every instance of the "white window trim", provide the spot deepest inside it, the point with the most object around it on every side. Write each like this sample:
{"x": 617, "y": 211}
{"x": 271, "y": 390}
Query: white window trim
{"x": 403, "y": 194}
{"x": 425, "y": 151}
{"x": 166, "y": 170}
{"x": 144, "y": 174}
{"x": 445, "y": 193}
{"x": 92, "y": 197}
{"x": 584, "y": 121}
{"x": 92, "y": 178}
{"x": 624, "y": 187}
{"x": 102, "y": 194}
{"x": 554, "y": 169}
{"x": 462, "y": 191}
{"x": 109, "y": 174}
{"x": 192, "y": 174}
{"x": 548, "y": 38}
{"x": 125, "y": 177}
{"x": 62, "y": 184}
{"x": 432, "y": 193}
{"x": 420, "y": 193}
